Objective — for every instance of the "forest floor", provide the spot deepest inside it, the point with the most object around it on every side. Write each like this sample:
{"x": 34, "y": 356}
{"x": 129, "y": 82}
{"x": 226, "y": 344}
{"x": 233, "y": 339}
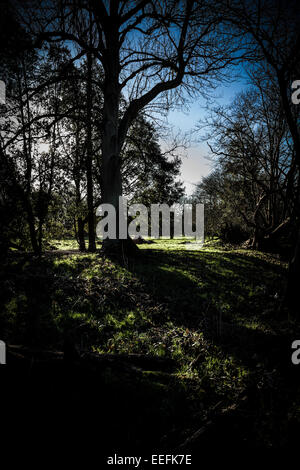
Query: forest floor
{"x": 177, "y": 350}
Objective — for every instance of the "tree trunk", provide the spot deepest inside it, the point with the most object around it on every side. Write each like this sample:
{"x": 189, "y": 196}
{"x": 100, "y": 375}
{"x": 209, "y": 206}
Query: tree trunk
{"x": 40, "y": 237}
{"x": 89, "y": 158}
{"x": 30, "y": 220}
{"x": 292, "y": 291}
{"x": 111, "y": 169}
{"x": 111, "y": 147}
{"x": 81, "y": 240}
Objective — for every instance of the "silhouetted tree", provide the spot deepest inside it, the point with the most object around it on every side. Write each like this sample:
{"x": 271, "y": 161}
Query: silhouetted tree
{"x": 146, "y": 48}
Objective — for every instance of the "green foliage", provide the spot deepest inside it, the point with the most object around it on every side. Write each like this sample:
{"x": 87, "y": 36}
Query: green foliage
{"x": 210, "y": 311}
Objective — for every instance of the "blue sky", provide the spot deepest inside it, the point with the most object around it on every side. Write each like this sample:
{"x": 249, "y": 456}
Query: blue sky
{"x": 197, "y": 163}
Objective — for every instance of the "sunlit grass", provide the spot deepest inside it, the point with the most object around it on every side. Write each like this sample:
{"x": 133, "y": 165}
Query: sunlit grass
{"x": 66, "y": 244}
{"x": 170, "y": 302}
{"x": 208, "y": 310}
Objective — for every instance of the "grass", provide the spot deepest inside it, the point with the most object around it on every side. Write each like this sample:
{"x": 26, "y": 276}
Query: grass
{"x": 215, "y": 312}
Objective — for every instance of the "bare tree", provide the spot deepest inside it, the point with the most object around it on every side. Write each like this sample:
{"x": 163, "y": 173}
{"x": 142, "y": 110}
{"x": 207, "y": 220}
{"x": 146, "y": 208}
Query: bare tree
{"x": 152, "y": 52}
{"x": 272, "y": 32}
{"x": 251, "y": 142}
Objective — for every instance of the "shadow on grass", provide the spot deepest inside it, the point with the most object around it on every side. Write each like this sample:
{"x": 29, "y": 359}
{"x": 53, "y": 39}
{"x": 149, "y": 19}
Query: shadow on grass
{"x": 233, "y": 297}
{"x": 31, "y": 294}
